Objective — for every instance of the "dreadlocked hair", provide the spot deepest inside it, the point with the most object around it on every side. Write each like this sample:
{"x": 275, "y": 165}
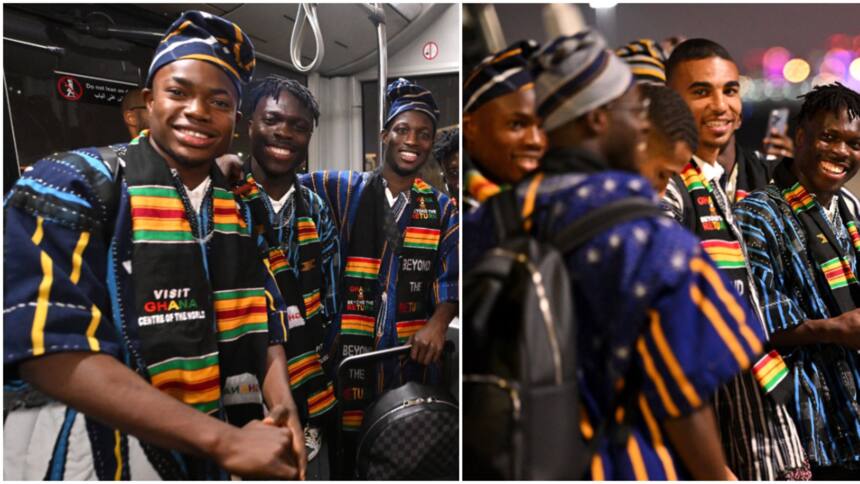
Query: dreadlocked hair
{"x": 670, "y": 115}
{"x": 829, "y": 98}
{"x": 447, "y": 145}
{"x": 272, "y": 86}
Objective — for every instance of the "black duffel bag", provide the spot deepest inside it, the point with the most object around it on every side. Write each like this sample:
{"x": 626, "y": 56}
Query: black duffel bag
{"x": 410, "y": 433}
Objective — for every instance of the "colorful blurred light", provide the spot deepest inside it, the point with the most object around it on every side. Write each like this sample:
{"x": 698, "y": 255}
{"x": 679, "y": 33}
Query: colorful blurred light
{"x": 774, "y": 60}
{"x": 832, "y": 65}
{"x": 824, "y": 78}
{"x": 796, "y": 70}
{"x": 854, "y": 68}
{"x": 839, "y": 41}
{"x": 753, "y": 60}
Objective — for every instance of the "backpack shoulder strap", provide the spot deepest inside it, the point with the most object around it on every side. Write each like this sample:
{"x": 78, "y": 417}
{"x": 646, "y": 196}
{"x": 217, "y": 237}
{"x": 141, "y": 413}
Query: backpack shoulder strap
{"x": 506, "y": 215}
{"x": 111, "y": 197}
{"x": 686, "y": 203}
{"x": 603, "y": 218}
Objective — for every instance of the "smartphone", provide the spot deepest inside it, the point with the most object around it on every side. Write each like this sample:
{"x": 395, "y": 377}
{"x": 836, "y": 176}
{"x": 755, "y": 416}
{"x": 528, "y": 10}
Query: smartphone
{"x": 778, "y": 120}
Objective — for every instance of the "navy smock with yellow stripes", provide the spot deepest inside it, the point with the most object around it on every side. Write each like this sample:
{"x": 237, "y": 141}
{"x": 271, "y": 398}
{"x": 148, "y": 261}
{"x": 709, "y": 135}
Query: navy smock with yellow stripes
{"x": 645, "y": 295}
{"x": 342, "y": 191}
{"x": 67, "y": 287}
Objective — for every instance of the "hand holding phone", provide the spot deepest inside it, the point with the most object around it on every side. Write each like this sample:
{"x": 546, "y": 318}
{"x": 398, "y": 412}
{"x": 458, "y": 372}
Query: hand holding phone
{"x": 777, "y": 122}
{"x": 776, "y": 143}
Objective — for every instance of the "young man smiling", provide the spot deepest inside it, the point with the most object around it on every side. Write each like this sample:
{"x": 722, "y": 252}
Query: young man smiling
{"x": 501, "y": 129}
{"x": 399, "y": 237}
{"x": 299, "y": 239}
{"x": 759, "y": 437}
{"x": 135, "y": 296}
{"x": 639, "y": 286}
{"x": 803, "y": 243}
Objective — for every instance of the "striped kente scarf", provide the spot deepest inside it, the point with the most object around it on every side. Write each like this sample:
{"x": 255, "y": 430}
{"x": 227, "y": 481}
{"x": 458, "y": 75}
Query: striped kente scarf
{"x": 199, "y": 291}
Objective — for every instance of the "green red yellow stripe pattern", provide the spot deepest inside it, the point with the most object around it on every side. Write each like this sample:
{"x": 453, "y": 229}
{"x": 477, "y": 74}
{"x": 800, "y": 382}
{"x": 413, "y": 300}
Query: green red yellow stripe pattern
{"x": 248, "y": 191}
{"x": 307, "y": 231}
{"x": 421, "y": 238}
{"x": 725, "y": 253}
{"x": 158, "y": 215}
{"x": 798, "y": 198}
{"x": 357, "y": 324}
{"x": 838, "y": 273}
{"x": 362, "y": 267}
{"x": 312, "y": 303}
{"x": 303, "y": 368}
{"x": 855, "y": 237}
{"x": 770, "y": 371}
{"x": 480, "y": 187}
{"x": 240, "y": 312}
{"x": 693, "y": 180}
{"x": 225, "y": 213}
{"x": 321, "y": 402}
{"x": 421, "y": 186}
{"x": 193, "y": 381}
{"x": 405, "y": 329}
{"x": 352, "y": 419}
{"x": 277, "y": 260}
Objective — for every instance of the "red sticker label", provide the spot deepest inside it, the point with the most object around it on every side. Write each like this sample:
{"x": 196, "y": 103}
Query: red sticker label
{"x": 430, "y": 50}
{"x": 69, "y": 88}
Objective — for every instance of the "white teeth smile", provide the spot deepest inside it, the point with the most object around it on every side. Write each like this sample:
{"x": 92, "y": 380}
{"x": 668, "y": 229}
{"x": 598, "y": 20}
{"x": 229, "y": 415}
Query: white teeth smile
{"x": 833, "y": 168}
{"x": 194, "y": 134}
{"x": 408, "y": 155}
{"x": 716, "y": 124}
{"x": 280, "y": 151}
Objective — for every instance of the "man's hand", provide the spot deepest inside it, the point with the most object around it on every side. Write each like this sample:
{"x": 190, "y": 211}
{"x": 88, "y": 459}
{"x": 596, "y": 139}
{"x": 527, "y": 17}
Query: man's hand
{"x": 778, "y": 145}
{"x": 259, "y": 451}
{"x": 101, "y": 387}
{"x": 282, "y": 416}
{"x": 279, "y": 398}
{"x": 231, "y": 166}
{"x": 428, "y": 342}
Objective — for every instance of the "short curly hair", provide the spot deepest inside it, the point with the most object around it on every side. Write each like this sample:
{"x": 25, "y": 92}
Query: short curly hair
{"x": 671, "y": 116}
{"x": 447, "y": 145}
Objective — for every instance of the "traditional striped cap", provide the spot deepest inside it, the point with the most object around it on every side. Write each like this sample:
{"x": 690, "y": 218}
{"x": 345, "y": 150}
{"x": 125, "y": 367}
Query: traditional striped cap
{"x": 203, "y": 36}
{"x": 498, "y": 74}
{"x": 403, "y": 95}
{"x": 646, "y": 59}
{"x": 575, "y": 74}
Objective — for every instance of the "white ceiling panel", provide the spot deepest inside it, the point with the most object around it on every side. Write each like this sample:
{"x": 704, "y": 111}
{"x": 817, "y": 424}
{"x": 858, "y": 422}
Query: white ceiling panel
{"x": 348, "y": 34}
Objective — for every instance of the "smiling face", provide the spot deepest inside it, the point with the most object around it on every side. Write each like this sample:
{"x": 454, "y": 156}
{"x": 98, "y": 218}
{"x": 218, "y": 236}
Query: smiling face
{"x": 408, "y": 141}
{"x": 192, "y": 112}
{"x": 711, "y": 89}
{"x": 280, "y": 132}
{"x": 828, "y": 153}
{"x": 505, "y": 137}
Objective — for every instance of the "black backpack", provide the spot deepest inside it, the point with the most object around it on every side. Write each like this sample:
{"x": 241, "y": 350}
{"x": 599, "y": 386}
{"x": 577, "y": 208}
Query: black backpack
{"x": 520, "y": 386}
